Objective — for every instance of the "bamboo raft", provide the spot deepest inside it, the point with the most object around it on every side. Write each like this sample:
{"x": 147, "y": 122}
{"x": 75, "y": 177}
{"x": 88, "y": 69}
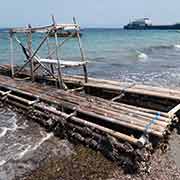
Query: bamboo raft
{"x": 116, "y": 118}
{"x": 121, "y": 120}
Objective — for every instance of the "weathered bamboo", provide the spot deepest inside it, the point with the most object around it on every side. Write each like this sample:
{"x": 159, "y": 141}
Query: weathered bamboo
{"x": 20, "y": 105}
{"x": 132, "y": 120}
{"x": 29, "y": 34}
{"x": 44, "y": 28}
{"x": 49, "y": 55}
{"x": 78, "y": 81}
{"x": 105, "y": 105}
{"x": 97, "y": 111}
{"x": 60, "y": 80}
{"x": 132, "y": 109}
{"x": 107, "y": 109}
{"x": 34, "y": 54}
{"x": 3, "y": 93}
{"x": 128, "y": 119}
{"x": 12, "y": 54}
{"x": 140, "y": 120}
{"x": 145, "y": 110}
{"x": 116, "y": 134}
{"x": 31, "y": 95}
{"x": 75, "y": 90}
{"x": 82, "y": 53}
{"x": 116, "y": 89}
{"x": 27, "y": 102}
{"x": 122, "y": 121}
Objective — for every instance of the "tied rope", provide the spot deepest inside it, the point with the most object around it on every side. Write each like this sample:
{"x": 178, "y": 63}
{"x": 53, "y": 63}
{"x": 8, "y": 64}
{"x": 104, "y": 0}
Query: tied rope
{"x": 152, "y": 122}
{"x": 122, "y": 92}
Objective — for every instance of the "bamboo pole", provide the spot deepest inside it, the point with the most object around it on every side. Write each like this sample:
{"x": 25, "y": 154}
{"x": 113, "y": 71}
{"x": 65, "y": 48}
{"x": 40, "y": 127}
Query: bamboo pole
{"x": 116, "y": 134}
{"x": 12, "y": 54}
{"x": 124, "y": 121}
{"x": 29, "y": 34}
{"x": 23, "y": 100}
{"x": 49, "y": 55}
{"x": 34, "y": 54}
{"x": 122, "y": 116}
{"x": 106, "y": 108}
{"x": 113, "y": 106}
{"x": 116, "y": 89}
{"x": 82, "y": 54}
{"x": 60, "y": 80}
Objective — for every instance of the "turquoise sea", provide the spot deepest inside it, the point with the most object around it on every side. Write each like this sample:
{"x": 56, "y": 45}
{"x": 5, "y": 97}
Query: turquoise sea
{"x": 150, "y": 57}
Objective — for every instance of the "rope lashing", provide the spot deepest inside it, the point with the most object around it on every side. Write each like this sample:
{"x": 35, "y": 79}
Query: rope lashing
{"x": 144, "y": 138}
{"x": 122, "y": 92}
{"x": 152, "y": 122}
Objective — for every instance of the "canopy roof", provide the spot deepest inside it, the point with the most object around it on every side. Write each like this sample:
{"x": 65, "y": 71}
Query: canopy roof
{"x": 45, "y": 28}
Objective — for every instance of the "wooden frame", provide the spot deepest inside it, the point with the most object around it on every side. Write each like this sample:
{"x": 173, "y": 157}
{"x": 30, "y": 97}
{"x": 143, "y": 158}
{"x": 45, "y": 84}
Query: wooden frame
{"x": 32, "y": 55}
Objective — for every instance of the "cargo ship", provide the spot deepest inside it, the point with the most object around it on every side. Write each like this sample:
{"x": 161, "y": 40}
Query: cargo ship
{"x": 146, "y": 24}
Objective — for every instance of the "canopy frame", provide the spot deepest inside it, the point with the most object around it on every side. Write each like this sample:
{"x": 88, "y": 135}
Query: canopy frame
{"x": 33, "y": 60}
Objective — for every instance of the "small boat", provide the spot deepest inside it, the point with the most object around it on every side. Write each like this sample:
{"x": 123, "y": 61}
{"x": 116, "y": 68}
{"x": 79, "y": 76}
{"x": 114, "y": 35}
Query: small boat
{"x": 66, "y": 32}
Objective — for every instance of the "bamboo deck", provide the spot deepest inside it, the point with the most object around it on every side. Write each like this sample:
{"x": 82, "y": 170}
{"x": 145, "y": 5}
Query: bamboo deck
{"x": 124, "y": 121}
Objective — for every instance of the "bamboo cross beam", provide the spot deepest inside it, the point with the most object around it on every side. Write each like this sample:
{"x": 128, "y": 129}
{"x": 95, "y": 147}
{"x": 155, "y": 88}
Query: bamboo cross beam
{"x": 44, "y": 28}
{"x": 34, "y": 54}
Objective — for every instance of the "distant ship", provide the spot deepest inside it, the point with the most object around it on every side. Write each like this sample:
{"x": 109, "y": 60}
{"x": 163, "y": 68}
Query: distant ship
{"x": 146, "y": 24}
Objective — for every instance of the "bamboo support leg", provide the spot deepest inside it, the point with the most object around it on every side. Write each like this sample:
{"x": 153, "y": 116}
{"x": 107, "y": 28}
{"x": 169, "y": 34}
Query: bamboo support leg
{"x": 12, "y": 54}
{"x": 82, "y": 53}
{"x": 60, "y": 80}
{"x": 30, "y": 52}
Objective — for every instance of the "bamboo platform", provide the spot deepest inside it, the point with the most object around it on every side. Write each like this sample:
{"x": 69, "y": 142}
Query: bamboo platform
{"x": 122, "y": 120}
{"x": 125, "y": 122}
{"x": 156, "y": 98}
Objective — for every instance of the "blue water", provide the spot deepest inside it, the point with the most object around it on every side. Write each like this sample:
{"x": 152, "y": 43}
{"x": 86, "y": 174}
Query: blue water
{"x": 149, "y": 57}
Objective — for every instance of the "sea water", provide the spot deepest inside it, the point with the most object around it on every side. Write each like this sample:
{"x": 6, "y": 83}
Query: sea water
{"x": 150, "y": 57}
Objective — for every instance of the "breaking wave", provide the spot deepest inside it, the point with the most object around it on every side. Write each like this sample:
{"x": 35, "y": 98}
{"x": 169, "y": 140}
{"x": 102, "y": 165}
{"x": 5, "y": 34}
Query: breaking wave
{"x": 177, "y": 46}
{"x": 162, "y": 48}
{"x": 141, "y": 55}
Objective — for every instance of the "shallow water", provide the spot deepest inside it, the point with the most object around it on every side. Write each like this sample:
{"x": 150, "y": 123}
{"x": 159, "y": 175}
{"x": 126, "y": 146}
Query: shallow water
{"x": 24, "y": 145}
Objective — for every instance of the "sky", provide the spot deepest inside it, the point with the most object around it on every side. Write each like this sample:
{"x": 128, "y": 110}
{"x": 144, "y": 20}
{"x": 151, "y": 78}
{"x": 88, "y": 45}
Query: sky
{"x": 89, "y": 13}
